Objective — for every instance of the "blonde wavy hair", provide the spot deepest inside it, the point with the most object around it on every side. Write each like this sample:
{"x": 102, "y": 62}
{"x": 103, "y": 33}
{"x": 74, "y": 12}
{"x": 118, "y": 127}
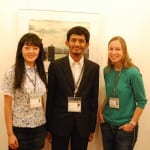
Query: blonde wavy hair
{"x": 126, "y": 60}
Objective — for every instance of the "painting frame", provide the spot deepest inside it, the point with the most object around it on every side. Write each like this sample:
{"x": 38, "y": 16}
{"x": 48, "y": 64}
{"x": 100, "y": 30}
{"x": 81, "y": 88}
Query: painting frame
{"x": 94, "y": 20}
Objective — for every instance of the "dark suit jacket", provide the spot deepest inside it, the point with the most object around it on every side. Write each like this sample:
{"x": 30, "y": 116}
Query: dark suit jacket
{"x": 60, "y": 86}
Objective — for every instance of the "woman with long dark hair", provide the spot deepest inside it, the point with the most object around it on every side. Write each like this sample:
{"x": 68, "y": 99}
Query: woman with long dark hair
{"x": 24, "y": 90}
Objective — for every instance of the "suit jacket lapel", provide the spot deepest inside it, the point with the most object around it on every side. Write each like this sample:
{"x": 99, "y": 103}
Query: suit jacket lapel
{"x": 68, "y": 73}
{"x": 85, "y": 75}
{"x": 69, "y": 77}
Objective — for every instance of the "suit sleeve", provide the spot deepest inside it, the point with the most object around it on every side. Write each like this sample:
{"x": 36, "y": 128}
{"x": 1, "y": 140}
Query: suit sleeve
{"x": 50, "y": 95}
{"x": 94, "y": 102}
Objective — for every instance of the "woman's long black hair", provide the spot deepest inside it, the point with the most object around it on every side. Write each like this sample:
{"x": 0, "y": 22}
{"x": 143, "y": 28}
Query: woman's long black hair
{"x": 29, "y": 39}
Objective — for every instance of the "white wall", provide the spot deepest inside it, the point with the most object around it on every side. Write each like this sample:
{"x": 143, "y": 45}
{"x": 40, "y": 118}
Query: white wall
{"x": 130, "y": 19}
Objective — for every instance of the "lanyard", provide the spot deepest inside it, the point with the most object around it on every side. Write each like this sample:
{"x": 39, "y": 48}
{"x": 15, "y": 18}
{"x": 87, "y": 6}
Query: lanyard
{"x": 78, "y": 81}
{"x": 116, "y": 79}
{"x": 33, "y": 82}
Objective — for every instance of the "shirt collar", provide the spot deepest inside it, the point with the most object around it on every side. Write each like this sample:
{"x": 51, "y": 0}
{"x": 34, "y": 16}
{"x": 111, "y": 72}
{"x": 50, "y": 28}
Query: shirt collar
{"x": 27, "y": 67}
{"x": 81, "y": 61}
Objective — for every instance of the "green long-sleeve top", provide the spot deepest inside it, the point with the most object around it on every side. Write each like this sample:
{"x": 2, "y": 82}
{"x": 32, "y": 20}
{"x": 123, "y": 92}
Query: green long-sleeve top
{"x": 130, "y": 91}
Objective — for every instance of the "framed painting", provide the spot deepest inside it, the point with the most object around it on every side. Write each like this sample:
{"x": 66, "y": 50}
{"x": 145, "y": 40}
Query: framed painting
{"x": 52, "y": 27}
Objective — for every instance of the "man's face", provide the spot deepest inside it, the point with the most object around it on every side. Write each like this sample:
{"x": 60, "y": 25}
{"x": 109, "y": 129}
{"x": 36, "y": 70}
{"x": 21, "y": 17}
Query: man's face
{"x": 77, "y": 44}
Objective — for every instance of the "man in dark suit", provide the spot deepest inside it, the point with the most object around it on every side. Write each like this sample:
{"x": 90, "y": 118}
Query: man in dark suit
{"x": 72, "y": 99}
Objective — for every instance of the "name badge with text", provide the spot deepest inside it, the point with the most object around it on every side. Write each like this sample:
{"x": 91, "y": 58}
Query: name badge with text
{"x": 114, "y": 102}
{"x": 35, "y": 101}
{"x": 74, "y": 104}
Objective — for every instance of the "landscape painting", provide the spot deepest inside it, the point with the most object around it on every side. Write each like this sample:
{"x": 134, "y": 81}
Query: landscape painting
{"x": 53, "y": 34}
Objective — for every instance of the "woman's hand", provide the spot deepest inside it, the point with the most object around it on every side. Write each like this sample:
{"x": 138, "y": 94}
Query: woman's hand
{"x": 13, "y": 142}
{"x": 128, "y": 127}
{"x": 101, "y": 117}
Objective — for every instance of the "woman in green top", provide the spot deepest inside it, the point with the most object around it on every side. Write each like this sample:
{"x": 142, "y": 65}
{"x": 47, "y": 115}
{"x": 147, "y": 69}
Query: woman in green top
{"x": 125, "y": 98}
